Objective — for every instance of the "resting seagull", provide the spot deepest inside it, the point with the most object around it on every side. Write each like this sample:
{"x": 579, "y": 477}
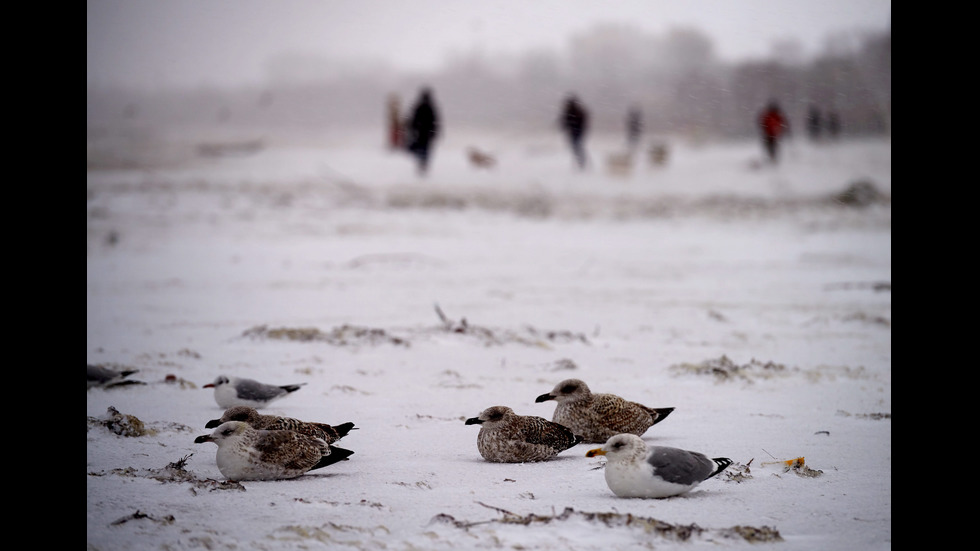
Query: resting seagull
{"x": 323, "y": 431}
{"x": 633, "y": 470}
{"x": 506, "y": 437}
{"x": 245, "y": 453}
{"x": 236, "y": 391}
{"x": 106, "y": 377}
{"x": 598, "y": 417}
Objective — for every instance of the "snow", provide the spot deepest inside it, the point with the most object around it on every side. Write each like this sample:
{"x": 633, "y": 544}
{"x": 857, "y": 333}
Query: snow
{"x": 630, "y": 283}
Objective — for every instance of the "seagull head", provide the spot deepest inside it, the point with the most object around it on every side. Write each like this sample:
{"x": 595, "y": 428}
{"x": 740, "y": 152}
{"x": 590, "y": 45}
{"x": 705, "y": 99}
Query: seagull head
{"x": 225, "y": 432}
{"x": 491, "y": 416}
{"x": 568, "y": 390}
{"x": 221, "y": 380}
{"x": 620, "y": 446}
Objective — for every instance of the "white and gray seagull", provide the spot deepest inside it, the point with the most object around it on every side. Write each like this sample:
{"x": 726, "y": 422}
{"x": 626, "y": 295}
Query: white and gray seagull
{"x": 106, "y": 377}
{"x": 245, "y": 453}
{"x": 237, "y": 391}
{"x": 633, "y": 470}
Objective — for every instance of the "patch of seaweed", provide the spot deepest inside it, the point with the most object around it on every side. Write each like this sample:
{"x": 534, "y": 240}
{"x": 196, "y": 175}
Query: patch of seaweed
{"x": 861, "y": 193}
{"x": 344, "y": 335}
{"x": 175, "y": 472}
{"x": 350, "y": 335}
{"x": 649, "y": 525}
{"x": 168, "y": 519}
{"x": 724, "y": 369}
{"x": 529, "y": 336}
{"x": 121, "y": 423}
{"x": 737, "y": 472}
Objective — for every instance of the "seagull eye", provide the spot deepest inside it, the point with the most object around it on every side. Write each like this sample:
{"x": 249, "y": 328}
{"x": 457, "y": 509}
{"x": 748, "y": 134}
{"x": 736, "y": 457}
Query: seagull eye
{"x": 226, "y": 432}
{"x": 618, "y": 445}
{"x": 568, "y": 389}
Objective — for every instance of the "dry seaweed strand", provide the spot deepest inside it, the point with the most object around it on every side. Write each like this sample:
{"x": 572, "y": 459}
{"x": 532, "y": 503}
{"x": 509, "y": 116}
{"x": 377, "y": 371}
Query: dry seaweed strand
{"x": 678, "y": 532}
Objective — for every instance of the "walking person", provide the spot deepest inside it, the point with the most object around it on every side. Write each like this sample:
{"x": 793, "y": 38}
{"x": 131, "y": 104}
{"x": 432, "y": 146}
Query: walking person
{"x": 634, "y": 127}
{"x": 772, "y": 124}
{"x": 423, "y": 128}
{"x": 575, "y": 122}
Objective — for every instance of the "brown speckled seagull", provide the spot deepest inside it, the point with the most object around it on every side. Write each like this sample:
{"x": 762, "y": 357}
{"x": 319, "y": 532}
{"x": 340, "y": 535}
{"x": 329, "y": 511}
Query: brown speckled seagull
{"x": 245, "y": 453}
{"x": 598, "y": 417}
{"x": 323, "y": 431}
{"x": 506, "y": 437}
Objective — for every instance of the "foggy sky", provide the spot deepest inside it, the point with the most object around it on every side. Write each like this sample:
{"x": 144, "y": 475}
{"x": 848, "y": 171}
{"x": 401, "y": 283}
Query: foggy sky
{"x": 189, "y": 43}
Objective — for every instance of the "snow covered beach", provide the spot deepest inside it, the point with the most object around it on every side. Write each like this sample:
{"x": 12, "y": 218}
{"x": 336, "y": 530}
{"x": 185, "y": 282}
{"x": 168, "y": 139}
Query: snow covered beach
{"x": 753, "y": 299}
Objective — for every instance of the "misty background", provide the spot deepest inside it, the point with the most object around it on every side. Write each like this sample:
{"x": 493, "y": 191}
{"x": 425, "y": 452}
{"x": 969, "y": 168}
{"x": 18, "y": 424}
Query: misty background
{"x": 677, "y": 78}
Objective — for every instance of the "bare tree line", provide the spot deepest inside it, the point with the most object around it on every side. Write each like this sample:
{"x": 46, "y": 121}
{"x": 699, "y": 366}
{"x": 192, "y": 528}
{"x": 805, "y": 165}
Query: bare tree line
{"x": 676, "y": 79}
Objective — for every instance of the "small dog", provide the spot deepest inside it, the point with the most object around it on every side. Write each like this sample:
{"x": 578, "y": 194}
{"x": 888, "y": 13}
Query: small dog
{"x": 658, "y": 154}
{"x": 480, "y": 159}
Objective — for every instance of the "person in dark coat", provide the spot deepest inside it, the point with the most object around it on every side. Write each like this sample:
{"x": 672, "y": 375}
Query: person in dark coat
{"x": 634, "y": 127}
{"x": 772, "y": 124}
{"x": 813, "y": 123}
{"x": 575, "y": 122}
{"x": 423, "y": 128}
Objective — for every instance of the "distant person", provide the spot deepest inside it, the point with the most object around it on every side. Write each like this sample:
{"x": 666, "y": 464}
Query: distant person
{"x": 634, "y": 127}
{"x": 772, "y": 124}
{"x": 813, "y": 123}
{"x": 423, "y": 128}
{"x": 575, "y": 122}
{"x": 395, "y": 132}
{"x": 833, "y": 125}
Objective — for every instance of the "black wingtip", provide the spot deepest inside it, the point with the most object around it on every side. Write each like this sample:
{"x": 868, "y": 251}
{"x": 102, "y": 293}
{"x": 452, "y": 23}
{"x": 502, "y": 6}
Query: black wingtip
{"x": 722, "y": 462}
{"x": 291, "y": 388}
{"x": 662, "y": 414}
{"x": 336, "y": 455}
{"x": 343, "y": 428}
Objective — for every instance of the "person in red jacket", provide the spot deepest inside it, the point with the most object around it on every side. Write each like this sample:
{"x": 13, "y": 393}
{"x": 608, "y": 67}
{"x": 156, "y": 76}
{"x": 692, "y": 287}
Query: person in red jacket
{"x": 772, "y": 123}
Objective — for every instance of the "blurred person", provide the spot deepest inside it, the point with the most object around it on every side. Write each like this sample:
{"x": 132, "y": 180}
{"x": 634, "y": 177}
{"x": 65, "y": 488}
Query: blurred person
{"x": 833, "y": 125}
{"x": 634, "y": 127}
{"x": 813, "y": 123}
{"x": 395, "y": 131}
{"x": 772, "y": 124}
{"x": 575, "y": 122}
{"x": 423, "y": 128}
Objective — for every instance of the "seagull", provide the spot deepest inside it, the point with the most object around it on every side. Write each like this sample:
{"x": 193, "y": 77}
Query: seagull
{"x": 235, "y": 391}
{"x": 506, "y": 437}
{"x": 106, "y": 377}
{"x": 323, "y": 431}
{"x": 597, "y": 417}
{"x": 633, "y": 470}
{"x": 245, "y": 453}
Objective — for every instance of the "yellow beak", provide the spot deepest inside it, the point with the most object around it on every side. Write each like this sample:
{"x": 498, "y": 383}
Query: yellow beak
{"x": 595, "y": 452}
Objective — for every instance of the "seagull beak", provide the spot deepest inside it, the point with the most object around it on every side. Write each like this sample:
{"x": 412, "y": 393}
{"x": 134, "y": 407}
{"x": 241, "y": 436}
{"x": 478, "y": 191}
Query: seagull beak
{"x": 209, "y": 385}
{"x": 212, "y": 423}
{"x": 595, "y": 452}
{"x": 202, "y": 439}
{"x": 544, "y": 398}
{"x": 474, "y": 421}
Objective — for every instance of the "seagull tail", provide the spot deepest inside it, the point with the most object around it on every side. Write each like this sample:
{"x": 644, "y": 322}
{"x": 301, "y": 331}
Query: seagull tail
{"x": 722, "y": 462}
{"x": 343, "y": 428}
{"x": 662, "y": 414}
{"x": 336, "y": 455}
